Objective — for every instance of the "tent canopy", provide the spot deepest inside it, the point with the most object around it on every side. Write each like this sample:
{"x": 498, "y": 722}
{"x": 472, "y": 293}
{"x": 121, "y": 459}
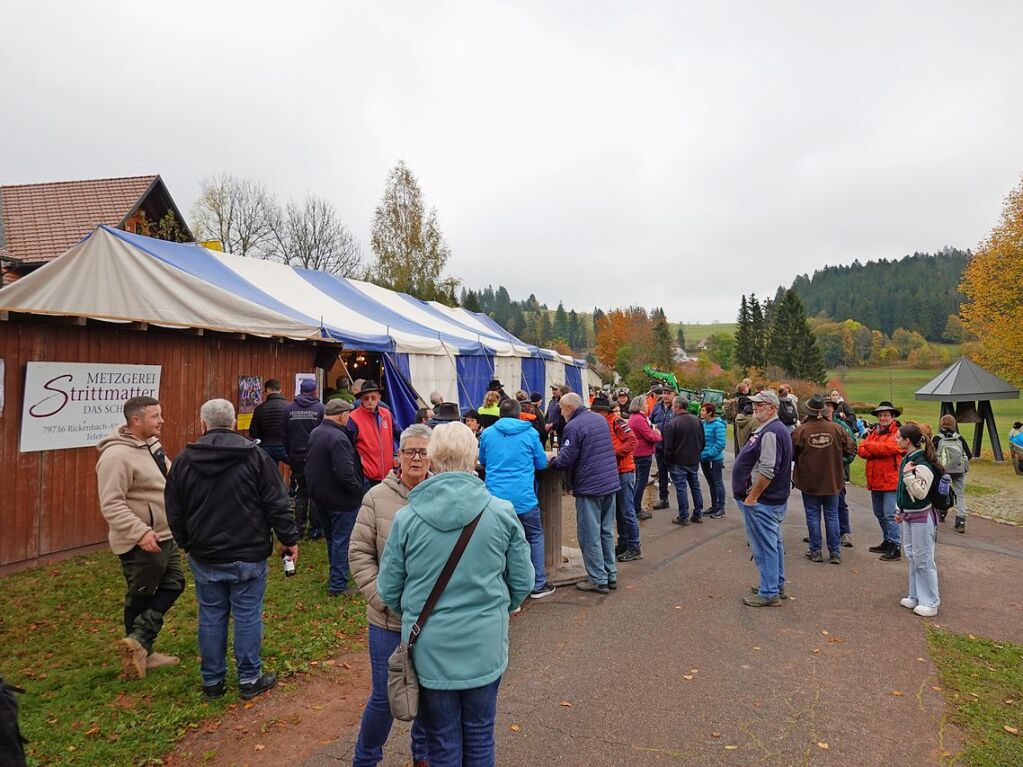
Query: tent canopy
{"x": 964, "y": 381}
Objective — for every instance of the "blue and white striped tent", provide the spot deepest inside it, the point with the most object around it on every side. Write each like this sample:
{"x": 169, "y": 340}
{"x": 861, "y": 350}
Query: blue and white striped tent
{"x": 120, "y": 277}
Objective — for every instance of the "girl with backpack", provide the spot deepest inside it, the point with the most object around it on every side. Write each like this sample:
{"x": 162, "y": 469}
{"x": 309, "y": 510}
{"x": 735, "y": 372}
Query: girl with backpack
{"x": 955, "y": 455}
{"x": 919, "y": 472}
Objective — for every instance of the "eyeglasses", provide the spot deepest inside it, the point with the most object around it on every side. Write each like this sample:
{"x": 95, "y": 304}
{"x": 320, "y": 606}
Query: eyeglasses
{"x": 412, "y": 452}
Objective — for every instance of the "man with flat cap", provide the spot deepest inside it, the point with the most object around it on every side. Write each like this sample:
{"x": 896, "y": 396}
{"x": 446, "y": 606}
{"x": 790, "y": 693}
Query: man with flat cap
{"x": 334, "y": 474}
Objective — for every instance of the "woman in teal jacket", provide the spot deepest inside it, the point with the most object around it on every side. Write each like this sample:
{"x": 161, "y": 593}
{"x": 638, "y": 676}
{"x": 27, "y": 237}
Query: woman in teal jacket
{"x": 712, "y": 459}
{"x": 463, "y": 649}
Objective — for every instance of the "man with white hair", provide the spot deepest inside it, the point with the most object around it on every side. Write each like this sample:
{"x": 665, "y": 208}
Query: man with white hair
{"x": 224, "y": 501}
{"x": 588, "y": 458}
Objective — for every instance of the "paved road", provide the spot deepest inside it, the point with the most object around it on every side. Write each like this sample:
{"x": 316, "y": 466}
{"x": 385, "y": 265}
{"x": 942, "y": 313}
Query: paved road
{"x": 673, "y": 669}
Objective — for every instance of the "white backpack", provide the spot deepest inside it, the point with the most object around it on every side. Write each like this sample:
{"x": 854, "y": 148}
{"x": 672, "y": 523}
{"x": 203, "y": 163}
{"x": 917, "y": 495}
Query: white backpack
{"x": 952, "y": 455}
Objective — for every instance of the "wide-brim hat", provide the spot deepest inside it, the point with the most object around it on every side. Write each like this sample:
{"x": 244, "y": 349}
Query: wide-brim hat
{"x": 447, "y": 411}
{"x": 367, "y": 387}
{"x": 816, "y": 404}
{"x": 494, "y": 385}
{"x": 886, "y": 406}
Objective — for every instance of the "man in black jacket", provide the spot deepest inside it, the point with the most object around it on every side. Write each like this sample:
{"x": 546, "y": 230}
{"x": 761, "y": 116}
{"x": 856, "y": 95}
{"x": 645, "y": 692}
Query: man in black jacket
{"x": 683, "y": 442}
{"x": 334, "y": 473}
{"x": 224, "y": 497}
{"x": 267, "y": 422}
{"x": 301, "y": 416}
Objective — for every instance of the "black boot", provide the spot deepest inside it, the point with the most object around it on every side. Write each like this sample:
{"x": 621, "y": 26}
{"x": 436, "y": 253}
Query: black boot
{"x": 894, "y": 552}
{"x": 880, "y": 548}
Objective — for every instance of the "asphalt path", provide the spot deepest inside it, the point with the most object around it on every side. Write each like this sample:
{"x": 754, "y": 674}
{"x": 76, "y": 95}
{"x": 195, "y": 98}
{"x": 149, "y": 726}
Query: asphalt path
{"x": 674, "y": 669}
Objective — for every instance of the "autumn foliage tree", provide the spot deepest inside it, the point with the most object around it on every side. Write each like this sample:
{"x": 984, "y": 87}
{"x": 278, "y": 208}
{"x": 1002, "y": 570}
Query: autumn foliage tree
{"x": 991, "y": 283}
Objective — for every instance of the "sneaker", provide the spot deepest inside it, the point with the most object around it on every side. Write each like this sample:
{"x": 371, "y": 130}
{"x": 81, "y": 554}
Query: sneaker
{"x": 806, "y": 540}
{"x": 589, "y": 585}
{"x": 960, "y": 525}
{"x": 517, "y": 610}
{"x": 641, "y": 515}
{"x": 813, "y": 556}
{"x": 908, "y": 603}
{"x": 893, "y": 553}
{"x": 925, "y": 612}
{"x": 629, "y": 555}
{"x": 661, "y": 505}
{"x": 214, "y": 690}
{"x": 158, "y": 660}
{"x": 718, "y": 514}
{"x": 847, "y": 541}
{"x": 836, "y": 559}
{"x": 783, "y": 594}
{"x": 612, "y": 585}
{"x": 261, "y": 685}
{"x": 880, "y": 548}
{"x": 546, "y": 591}
{"x": 133, "y": 658}
{"x": 620, "y": 549}
{"x": 943, "y": 514}
{"x": 759, "y": 601}
{"x": 698, "y": 519}
{"x": 684, "y": 521}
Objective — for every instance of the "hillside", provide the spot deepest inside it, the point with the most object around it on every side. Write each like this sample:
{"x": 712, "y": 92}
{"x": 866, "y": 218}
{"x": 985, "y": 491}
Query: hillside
{"x": 916, "y": 292}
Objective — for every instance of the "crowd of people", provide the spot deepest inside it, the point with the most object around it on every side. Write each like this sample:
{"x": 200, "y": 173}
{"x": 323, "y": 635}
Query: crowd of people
{"x": 392, "y": 505}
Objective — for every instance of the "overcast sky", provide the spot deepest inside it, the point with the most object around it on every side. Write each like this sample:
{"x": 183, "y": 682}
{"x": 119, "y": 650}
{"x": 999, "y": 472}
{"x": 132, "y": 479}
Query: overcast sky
{"x": 673, "y": 154}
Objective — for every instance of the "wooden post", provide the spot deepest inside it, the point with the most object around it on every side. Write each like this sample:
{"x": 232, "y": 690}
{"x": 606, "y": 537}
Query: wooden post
{"x": 549, "y": 494}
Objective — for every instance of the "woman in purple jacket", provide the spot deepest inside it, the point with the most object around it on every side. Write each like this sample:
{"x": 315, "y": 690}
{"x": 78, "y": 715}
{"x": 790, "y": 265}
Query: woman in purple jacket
{"x": 647, "y": 436}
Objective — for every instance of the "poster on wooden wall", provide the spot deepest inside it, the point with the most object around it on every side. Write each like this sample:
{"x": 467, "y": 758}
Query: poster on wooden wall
{"x": 300, "y": 377}
{"x": 76, "y": 404}
{"x": 249, "y": 390}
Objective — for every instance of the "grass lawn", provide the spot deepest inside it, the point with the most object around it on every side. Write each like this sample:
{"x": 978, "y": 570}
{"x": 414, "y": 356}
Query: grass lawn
{"x": 58, "y": 630}
{"x": 696, "y": 333}
{"x": 982, "y": 682}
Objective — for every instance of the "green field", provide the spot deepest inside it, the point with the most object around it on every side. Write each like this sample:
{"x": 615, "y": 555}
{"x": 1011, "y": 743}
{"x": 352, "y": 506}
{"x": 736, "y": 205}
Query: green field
{"x": 898, "y": 384}
{"x": 696, "y": 333}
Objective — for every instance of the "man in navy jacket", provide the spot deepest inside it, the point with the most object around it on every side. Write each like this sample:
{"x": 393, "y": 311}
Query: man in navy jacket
{"x": 334, "y": 476}
{"x": 301, "y": 416}
{"x": 588, "y": 457}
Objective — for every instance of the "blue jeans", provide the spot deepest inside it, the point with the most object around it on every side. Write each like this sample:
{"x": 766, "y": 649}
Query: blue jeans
{"x": 713, "y": 470}
{"x": 223, "y": 589}
{"x": 337, "y": 529}
{"x": 625, "y": 512}
{"x": 680, "y": 476}
{"x": 376, "y": 717}
{"x": 459, "y": 725}
{"x": 814, "y": 505}
{"x": 923, "y": 574}
{"x": 277, "y": 453}
{"x": 763, "y": 530}
{"x": 533, "y": 528}
{"x": 843, "y": 514}
{"x": 662, "y": 476}
{"x": 594, "y": 527}
{"x": 642, "y": 477}
{"x": 883, "y": 502}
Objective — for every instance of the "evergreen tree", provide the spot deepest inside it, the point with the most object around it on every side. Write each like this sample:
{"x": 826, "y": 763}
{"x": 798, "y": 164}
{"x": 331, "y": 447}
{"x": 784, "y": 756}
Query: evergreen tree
{"x": 541, "y": 329}
{"x": 680, "y": 337}
{"x": 573, "y": 329}
{"x": 470, "y": 301}
{"x": 598, "y": 313}
{"x": 561, "y": 322}
{"x": 501, "y": 311}
{"x": 793, "y": 345}
{"x": 516, "y": 323}
{"x": 760, "y": 330}
{"x": 745, "y": 351}
{"x": 662, "y": 355}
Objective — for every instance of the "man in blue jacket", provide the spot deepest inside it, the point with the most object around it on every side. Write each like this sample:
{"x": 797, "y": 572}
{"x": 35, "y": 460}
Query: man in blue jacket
{"x": 334, "y": 475}
{"x": 511, "y": 452}
{"x": 588, "y": 458}
{"x": 301, "y": 416}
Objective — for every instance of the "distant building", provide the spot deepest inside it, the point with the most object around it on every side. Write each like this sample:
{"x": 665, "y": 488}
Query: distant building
{"x": 704, "y": 343}
{"x": 38, "y": 222}
{"x": 679, "y": 354}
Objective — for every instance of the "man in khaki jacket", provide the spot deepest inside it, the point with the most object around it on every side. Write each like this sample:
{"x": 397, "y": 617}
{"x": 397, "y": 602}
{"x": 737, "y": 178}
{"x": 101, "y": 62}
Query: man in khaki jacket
{"x": 132, "y": 472}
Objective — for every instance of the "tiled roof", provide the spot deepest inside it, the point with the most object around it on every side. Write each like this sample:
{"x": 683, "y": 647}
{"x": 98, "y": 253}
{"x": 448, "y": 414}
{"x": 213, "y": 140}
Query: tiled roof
{"x": 41, "y": 221}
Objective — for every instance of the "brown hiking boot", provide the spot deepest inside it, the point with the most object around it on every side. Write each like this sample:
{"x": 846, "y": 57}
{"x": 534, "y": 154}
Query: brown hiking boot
{"x": 158, "y": 660}
{"x": 133, "y": 658}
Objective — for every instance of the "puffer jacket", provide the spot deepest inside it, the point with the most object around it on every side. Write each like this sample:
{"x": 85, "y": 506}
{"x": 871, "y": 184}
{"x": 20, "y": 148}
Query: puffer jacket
{"x": 881, "y": 451}
{"x": 587, "y": 455}
{"x": 713, "y": 440}
{"x": 646, "y": 437}
{"x": 511, "y": 452}
{"x": 131, "y": 488}
{"x": 369, "y": 536}
{"x": 465, "y": 643}
{"x": 624, "y": 442}
{"x": 660, "y": 417}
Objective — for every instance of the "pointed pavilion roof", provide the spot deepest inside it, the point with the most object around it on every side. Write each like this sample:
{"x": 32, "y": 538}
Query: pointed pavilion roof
{"x": 964, "y": 381}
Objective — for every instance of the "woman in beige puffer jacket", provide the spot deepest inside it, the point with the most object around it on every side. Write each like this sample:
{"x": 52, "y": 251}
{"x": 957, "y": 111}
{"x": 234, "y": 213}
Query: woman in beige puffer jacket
{"x": 369, "y": 537}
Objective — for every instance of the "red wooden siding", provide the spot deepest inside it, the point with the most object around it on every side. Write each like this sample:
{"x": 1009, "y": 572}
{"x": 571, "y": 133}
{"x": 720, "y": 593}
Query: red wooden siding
{"x": 48, "y": 499}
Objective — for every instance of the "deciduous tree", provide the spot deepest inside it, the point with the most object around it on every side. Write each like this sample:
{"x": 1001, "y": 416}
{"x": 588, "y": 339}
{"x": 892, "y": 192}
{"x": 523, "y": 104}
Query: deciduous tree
{"x": 312, "y": 236}
{"x": 239, "y": 212}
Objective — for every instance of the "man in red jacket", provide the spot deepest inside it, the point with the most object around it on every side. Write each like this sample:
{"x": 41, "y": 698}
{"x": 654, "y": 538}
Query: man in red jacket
{"x": 881, "y": 451}
{"x": 372, "y": 429}
{"x": 624, "y": 442}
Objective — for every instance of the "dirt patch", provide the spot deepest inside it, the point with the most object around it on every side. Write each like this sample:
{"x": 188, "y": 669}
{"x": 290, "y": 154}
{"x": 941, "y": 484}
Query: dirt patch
{"x": 301, "y": 715}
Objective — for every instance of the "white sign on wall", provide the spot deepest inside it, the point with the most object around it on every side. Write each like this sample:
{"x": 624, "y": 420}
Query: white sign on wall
{"x": 76, "y": 404}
